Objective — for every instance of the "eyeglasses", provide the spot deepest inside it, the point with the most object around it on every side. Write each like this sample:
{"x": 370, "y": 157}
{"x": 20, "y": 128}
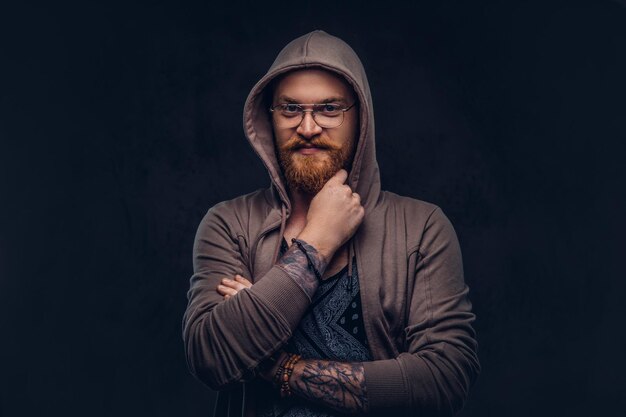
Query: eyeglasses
{"x": 326, "y": 115}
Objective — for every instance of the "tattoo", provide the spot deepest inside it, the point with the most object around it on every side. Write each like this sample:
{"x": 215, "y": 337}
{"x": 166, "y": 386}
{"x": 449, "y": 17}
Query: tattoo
{"x": 296, "y": 263}
{"x": 338, "y": 385}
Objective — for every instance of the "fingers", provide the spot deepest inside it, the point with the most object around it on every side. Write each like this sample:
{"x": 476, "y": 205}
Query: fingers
{"x": 224, "y": 290}
{"x": 243, "y": 281}
{"x": 228, "y": 287}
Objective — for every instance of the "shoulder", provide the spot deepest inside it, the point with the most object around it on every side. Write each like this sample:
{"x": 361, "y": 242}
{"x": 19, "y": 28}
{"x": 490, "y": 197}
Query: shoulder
{"x": 236, "y": 213}
{"x": 422, "y": 220}
{"x": 411, "y": 208}
{"x": 256, "y": 200}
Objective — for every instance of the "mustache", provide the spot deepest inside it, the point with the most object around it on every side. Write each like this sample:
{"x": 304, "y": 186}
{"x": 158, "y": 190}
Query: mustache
{"x": 296, "y": 143}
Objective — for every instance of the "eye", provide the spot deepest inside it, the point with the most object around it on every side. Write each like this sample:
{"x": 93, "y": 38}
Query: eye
{"x": 330, "y": 109}
{"x": 290, "y": 109}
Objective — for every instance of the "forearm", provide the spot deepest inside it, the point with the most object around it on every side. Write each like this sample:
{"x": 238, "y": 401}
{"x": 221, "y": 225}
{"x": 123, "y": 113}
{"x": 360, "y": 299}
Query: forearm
{"x": 267, "y": 312}
{"x": 337, "y": 385}
{"x": 302, "y": 268}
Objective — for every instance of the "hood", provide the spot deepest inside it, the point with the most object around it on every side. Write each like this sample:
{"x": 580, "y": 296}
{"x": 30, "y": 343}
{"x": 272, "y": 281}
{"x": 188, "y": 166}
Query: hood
{"x": 317, "y": 49}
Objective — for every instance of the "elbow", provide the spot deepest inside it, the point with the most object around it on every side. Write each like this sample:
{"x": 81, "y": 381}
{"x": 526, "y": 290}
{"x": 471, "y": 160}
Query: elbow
{"x": 440, "y": 379}
{"x": 455, "y": 370}
{"x": 207, "y": 376}
{"x": 199, "y": 362}
{"x": 203, "y": 357}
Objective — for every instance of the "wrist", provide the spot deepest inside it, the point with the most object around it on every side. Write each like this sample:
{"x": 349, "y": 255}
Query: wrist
{"x": 323, "y": 248}
{"x": 283, "y": 377}
{"x": 298, "y": 369}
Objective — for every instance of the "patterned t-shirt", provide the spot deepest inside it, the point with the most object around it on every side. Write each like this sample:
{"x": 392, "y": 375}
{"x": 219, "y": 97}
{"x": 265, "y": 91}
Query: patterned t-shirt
{"x": 332, "y": 328}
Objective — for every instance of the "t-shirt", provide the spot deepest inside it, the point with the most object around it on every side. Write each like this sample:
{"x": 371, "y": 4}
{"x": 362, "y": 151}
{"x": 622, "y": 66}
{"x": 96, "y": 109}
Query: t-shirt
{"x": 332, "y": 328}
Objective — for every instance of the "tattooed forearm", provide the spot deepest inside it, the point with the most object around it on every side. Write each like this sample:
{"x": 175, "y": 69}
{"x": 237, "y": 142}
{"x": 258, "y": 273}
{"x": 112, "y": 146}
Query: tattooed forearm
{"x": 295, "y": 262}
{"x": 338, "y": 385}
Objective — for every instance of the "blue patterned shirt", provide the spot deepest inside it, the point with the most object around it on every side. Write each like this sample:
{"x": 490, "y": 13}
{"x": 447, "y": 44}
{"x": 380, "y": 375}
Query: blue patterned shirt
{"x": 332, "y": 328}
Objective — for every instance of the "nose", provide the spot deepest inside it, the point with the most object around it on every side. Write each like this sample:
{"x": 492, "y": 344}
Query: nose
{"x": 307, "y": 127}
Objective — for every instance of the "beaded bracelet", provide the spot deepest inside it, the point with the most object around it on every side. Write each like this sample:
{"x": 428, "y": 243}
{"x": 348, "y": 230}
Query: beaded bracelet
{"x": 285, "y": 390}
{"x": 276, "y": 380}
{"x": 311, "y": 266}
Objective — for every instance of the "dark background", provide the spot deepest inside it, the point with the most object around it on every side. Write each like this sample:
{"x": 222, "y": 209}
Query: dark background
{"x": 120, "y": 125}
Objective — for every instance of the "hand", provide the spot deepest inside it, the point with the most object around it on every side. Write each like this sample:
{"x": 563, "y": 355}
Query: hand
{"x": 334, "y": 215}
{"x": 230, "y": 287}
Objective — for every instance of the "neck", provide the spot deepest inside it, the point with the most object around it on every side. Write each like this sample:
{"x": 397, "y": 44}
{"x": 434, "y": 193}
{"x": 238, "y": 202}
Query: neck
{"x": 300, "y": 202}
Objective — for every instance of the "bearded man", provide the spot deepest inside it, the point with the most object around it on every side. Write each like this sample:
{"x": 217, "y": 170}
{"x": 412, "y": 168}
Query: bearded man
{"x": 323, "y": 295}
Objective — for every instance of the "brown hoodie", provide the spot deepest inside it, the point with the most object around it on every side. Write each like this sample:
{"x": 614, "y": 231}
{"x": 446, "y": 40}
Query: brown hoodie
{"x": 416, "y": 310}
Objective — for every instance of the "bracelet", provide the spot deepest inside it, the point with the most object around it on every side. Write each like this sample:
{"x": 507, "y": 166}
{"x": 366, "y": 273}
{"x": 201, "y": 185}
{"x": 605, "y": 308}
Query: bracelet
{"x": 311, "y": 266}
{"x": 279, "y": 371}
{"x": 285, "y": 390}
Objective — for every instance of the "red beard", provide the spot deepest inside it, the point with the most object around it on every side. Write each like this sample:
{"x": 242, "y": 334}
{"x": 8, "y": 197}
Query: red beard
{"x": 309, "y": 173}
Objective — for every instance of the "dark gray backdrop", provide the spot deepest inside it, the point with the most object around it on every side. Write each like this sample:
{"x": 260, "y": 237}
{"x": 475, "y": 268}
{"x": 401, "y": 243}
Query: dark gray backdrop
{"x": 120, "y": 125}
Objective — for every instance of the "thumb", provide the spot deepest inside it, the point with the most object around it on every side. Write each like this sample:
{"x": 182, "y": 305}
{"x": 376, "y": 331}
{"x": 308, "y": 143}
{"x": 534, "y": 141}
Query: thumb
{"x": 340, "y": 177}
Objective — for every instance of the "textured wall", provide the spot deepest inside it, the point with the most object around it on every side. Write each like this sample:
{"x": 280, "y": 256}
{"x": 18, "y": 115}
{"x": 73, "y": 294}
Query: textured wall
{"x": 120, "y": 125}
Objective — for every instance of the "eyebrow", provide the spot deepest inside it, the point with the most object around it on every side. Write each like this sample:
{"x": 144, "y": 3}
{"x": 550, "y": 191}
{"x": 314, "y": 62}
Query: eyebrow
{"x": 333, "y": 99}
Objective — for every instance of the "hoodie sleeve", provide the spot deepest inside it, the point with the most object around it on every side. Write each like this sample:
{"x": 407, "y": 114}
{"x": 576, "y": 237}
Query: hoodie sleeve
{"x": 441, "y": 364}
{"x": 225, "y": 340}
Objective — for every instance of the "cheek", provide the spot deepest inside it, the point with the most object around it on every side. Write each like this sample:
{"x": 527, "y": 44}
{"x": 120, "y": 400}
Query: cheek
{"x": 352, "y": 127}
{"x": 352, "y": 132}
{"x": 282, "y": 136}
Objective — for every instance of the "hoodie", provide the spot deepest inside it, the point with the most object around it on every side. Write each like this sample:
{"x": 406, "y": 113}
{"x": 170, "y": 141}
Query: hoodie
{"x": 415, "y": 305}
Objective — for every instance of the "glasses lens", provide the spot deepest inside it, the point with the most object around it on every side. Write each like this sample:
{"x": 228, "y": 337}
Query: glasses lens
{"x": 328, "y": 121}
{"x": 287, "y": 115}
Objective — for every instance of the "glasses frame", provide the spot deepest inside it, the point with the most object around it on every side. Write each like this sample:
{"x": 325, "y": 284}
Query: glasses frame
{"x": 313, "y": 112}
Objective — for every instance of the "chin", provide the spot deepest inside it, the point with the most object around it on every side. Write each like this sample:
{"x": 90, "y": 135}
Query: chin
{"x": 309, "y": 173}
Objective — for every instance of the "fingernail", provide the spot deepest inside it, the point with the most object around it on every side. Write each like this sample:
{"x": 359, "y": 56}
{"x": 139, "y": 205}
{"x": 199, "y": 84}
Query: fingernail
{"x": 226, "y": 280}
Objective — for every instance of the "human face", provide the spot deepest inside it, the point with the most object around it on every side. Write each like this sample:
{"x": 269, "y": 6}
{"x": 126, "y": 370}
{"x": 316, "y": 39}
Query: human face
{"x": 308, "y": 154}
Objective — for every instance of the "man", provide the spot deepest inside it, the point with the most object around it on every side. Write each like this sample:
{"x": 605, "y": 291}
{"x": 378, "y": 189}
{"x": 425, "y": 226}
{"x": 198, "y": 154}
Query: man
{"x": 322, "y": 294}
